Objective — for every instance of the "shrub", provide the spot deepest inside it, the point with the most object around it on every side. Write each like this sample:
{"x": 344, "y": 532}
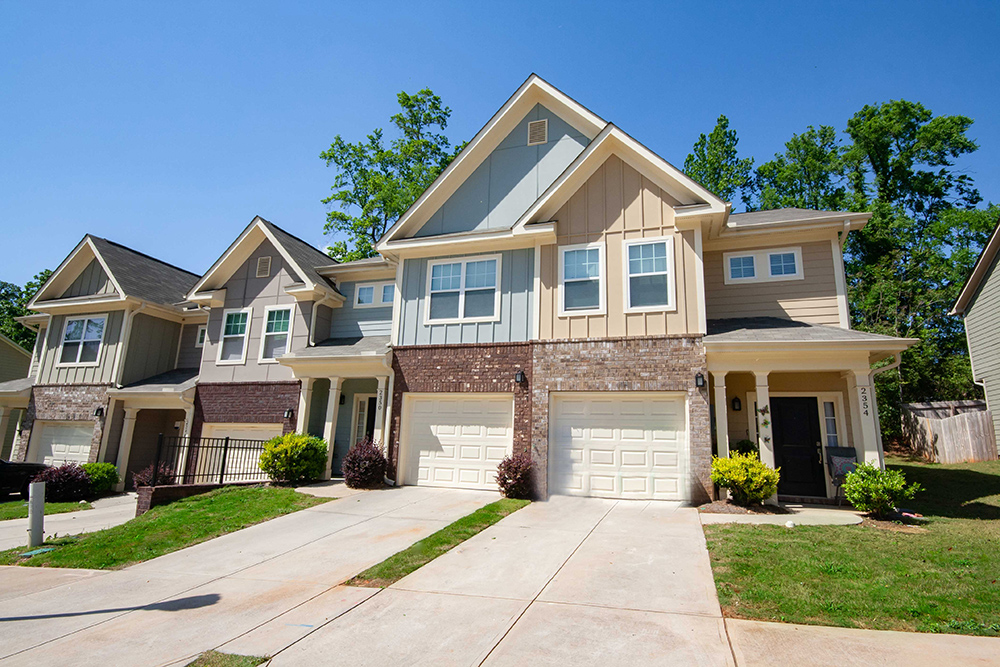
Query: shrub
{"x": 66, "y": 483}
{"x": 877, "y": 492}
{"x": 364, "y": 466}
{"x": 749, "y": 481}
{"x": 164, "y": 477}
{"x": 294, "y": 458}
{"x": 745, "y": 447}
{"x": 514, "y": 476}
{"x": 102, "y": 476}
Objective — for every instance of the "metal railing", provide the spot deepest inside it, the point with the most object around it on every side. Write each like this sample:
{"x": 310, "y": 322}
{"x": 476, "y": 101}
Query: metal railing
{"x": 186, "y": 460}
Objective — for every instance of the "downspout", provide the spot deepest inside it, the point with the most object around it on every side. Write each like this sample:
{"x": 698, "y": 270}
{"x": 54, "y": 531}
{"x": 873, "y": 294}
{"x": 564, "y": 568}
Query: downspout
{"x": 119, "y": 355}
{"x": 312, "y": 319}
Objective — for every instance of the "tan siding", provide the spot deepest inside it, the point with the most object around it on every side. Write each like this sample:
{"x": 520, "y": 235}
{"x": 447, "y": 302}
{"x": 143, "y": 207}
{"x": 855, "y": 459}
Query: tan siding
{"x": 152, "y": 348}
{"x": 92, "y": 280}
{"x": 617, "y": 204}
{"x": 982, "y": 322}
{"x": 102, "y": 373}
{"x": 812, "y": 299}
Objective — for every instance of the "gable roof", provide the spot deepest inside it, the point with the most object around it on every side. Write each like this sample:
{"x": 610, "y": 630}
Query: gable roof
{"x": 979, "y": 273}
{"x": 132, "y": 273}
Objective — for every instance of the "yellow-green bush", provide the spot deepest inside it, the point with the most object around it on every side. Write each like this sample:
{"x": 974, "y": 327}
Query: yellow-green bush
{"x": 749, "y": 481}
{"x": 293, "y": 458}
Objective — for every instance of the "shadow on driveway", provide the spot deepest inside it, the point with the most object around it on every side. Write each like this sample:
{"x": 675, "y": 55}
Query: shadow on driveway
{"x": 180, "y": 604}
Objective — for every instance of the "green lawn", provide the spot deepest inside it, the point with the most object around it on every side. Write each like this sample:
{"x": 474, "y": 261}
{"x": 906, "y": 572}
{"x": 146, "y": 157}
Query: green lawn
{"x": 399, "y": 565}
{"x": 18, "y": 509}
{"x": 216, "y": 659}
{"x": 168, "y": 528}
{"x": 946, "y": 579}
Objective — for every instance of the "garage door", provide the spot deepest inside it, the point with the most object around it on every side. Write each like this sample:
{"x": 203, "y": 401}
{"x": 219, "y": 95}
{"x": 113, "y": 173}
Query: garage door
{"x": 619, "y": 446}
{"x": 242, "y": 457}
{"x": 62, "y": 442}
{"x": 456, "y": 441}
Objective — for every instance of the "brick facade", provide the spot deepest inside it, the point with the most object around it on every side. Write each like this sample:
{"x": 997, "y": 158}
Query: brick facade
{"x": 246, "y": 403}
{"x": 65, "y": 403}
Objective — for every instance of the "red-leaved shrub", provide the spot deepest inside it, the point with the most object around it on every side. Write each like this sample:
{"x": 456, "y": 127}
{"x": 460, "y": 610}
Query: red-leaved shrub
{"x": 65, "y": 483}
{"x": 514, "y": 476}
{"x": 165, "y": 476}
{"x": 364, "y": 465}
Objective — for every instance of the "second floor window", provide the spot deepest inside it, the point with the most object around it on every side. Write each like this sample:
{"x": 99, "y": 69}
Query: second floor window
{"x": 82, "y": 339}
{"x": 277, "y": 329}
{"x": 650, "y": 277}
{"x": 464, "y": 290}
{"x": 580, "y": 274}
{"x": 235, "y": 328}
{"x": 373, "y": 295}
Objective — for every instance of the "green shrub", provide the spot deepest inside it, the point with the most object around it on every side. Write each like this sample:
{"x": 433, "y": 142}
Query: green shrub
{"x": 103, "y": 476}
{"x": 876, "y": 491}
{"x": 745, "y": 447}
{"x": 749, "y": 481}
{"x": 294, "y": 458}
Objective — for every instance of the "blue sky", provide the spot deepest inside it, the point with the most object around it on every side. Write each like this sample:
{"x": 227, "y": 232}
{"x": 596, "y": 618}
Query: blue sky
{"x": 168, "y": 126}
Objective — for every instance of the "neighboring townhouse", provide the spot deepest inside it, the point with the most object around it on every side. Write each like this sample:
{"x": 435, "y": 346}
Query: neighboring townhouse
{"x": 979, "y": 306}
{"x": 14, "y": 364}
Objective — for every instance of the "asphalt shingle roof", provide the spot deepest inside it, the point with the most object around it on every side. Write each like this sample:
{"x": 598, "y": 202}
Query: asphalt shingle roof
{"x": 307, "y": 256}
{"x": 145, "y": 277}
{"x": 771, "y": 329}
{"x": 179, "y": 379}
{"x": 345, "y": 347}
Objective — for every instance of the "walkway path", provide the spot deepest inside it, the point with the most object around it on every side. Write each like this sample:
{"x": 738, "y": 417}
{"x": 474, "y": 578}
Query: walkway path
{"x": 107, "y": 512}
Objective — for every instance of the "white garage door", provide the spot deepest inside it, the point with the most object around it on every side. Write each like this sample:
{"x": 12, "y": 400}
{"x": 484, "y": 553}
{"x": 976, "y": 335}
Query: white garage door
{"x": 242, "y": 457}
{"x": 456, "y": 440}
{"x": 61, "y": 442}
{"x": 619, "y": 446}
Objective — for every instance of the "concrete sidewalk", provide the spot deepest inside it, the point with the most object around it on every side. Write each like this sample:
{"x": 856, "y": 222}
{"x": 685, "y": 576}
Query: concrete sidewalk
{"x": 170, "y": 609}
{"x": 107, "y": 512}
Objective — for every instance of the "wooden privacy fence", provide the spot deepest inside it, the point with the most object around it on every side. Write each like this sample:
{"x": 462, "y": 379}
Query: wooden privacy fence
{"x": 950, "y": 431}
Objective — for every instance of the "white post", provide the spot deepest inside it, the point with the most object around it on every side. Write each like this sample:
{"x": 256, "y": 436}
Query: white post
{"x": 764, "y": 433}
{"x": 125, "y": 445}
{"x": 36, "y": 514}
{"x": 380, "y": 411}
{"x": 4, "y": 423}
{"x": 305, "y": 401}
{"x": 330, "y": 426}
{"x": 185, "y": 441}
{"x": 721, "y": 414}
{"x": 865, "y": 430}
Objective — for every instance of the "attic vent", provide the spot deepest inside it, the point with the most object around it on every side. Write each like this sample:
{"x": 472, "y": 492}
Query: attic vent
{"x": 263, "y": 267}
{"x": 538, "y": 132}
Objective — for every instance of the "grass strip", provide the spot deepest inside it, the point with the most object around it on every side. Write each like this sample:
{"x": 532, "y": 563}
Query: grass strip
{"x": 216, "y": 659}
{"x": 168, "y": 528}
{"x": 18, "y": 509}
{"x": 397, "y": 566}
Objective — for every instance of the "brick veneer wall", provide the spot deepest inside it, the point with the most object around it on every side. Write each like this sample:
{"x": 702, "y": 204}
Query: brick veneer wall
{"x": 75, "y": 403}
{"x": 245, "y": 403}
{"x": 463, "y": 368}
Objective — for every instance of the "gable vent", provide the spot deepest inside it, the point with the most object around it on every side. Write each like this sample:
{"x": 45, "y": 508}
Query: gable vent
{"x": 263, "y": 267}
{"x": 538, "y": 132}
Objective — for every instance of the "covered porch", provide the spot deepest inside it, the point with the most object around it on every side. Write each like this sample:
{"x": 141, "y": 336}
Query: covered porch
{"x": 345, "y": 387}
{"x": 14, "y": 398}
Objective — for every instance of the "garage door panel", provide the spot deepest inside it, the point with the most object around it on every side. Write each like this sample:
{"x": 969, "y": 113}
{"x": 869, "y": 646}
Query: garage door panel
{"x": 58, "y": 443}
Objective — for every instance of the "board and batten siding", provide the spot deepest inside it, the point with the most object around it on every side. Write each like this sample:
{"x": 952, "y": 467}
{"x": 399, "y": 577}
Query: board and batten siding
{"x": 514, "y": 324}
{"x": 244, "y": 290}
{"x": 982, "y": 324}
{"x": 190, "y": 356}
{"x": 615, "y": 205}
{"x": 91, "y": 281}
{"x": 351, "y": 322}
{"x": 14, "y": 361}
{"x": 152, "y": 348}
{"x": 103, "y": 373}
{"x": 812, "y": 299}
{"x": 36, "y": 353}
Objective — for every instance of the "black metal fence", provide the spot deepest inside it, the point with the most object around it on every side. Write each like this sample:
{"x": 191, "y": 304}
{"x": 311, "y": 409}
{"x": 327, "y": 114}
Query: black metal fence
{"x": 185, "y": 460}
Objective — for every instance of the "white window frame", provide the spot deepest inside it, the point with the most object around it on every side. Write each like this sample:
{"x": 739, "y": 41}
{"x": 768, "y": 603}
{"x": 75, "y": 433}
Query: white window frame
{"x": 602, "y": 284}
{"x": 100, "y": 347}
{"x": 201, "y": 335}
{"x": 762, "y": 265}
{"x": 358, "y": 400}
{"x": 462, "y": 289}
{"x": 671, "y": 304}
{"x": 246, "y": 337}
{"x": 263, "y": 331}
{"x": 377, "y": 289}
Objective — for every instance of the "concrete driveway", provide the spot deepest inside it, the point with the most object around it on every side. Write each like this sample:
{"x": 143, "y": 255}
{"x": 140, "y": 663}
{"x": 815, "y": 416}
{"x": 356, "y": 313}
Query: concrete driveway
{"x": 170, "y": 609}
{"x": 107, "y": 512}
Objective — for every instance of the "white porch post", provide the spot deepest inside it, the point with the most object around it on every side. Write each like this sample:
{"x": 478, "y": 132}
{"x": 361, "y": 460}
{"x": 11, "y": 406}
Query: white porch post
{"x": 764, "y": 433}
{"x": 721, "y": 414}
{"x": 125, "y": 445}
{"x": 186, "y": 440}
{"x": 380, "y": 399}
{"x": 305, "y": 401}
{"x": 330, "y": 425}
{"x": 4, "y": 423}
{"x": 866, "y": 440}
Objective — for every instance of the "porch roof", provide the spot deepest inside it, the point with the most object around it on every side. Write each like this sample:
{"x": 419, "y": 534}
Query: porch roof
{"x": 176, "y": 381}
{"x": 360, "y": 346}
{"x": 18, "y": 387}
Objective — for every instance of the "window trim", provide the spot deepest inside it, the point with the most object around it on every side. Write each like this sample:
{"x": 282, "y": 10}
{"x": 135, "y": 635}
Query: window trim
{"x": 671, "y": 305}
{"x": 219, "y": 361}
{"x": 377, "y": 288}
{"x": 602, "y": 282}
{"x": 261, "y": 359}
{"x": 202, "y": 330}
{"x": 762, "y": 265}
{"x": 463, "y": 260}
{"x": 62, "y": 340}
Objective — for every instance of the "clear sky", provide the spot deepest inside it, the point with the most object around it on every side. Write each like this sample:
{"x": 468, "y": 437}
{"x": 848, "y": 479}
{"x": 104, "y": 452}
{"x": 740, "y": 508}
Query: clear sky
{"x": 168, "y": 126}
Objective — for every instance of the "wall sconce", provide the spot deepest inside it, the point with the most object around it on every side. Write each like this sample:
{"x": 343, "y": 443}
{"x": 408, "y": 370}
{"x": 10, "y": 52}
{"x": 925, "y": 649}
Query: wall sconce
{"x": 519, "y": 376}
{"x": 343, "y": 399}
{"x": 737, "y": 405}
{"x": 699, "y": 380}
{"x": 99, "y": 412}
{"x": 289, "y": 414}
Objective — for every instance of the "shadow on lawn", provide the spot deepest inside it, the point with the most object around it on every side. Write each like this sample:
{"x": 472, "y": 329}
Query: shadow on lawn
{"x": 954, "y": 493}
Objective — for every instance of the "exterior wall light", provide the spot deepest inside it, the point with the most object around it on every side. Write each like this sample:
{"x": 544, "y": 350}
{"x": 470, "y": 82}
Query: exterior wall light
{"x": 699, "y": 380}
{"x": 99, "y": 412}
{"x": 519, "y": 376}
{"x": 737, "y": 405}
{"x": 289, "y": 414}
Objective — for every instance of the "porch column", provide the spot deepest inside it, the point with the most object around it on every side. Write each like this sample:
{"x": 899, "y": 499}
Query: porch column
{"x": 330, "y": 425}
{"x": 185, "y": 440}
{"x": 721, "y": 415}
{"x": 380, "y": 411}
{"x": 125, "y": 445}
{"x": 764, "y": 435}
{"x": 4, "y": 423}
{"x": 305, "y": 401}
{"x": 866, "y": 441}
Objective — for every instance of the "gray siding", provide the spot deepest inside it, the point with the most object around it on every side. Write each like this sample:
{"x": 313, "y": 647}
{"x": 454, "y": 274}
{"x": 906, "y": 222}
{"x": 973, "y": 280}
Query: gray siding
{"x": 982, "y": 322}
{"x": 348, "y": 321}
{"x": 7, "y": 442}
{"x": 102, "y": 373}
{"x": 36, "y": 353}
{"x": 508, "y": 181}
{"x": 324, "y": 321}
{"x": 14, "y": 364}
{"x": 516, "y": 312}
{"x": 92, "y": 280}
{"x": 244, "y": 290}
{"x": 190, "y": 356}
{"x": 152, "y": 348}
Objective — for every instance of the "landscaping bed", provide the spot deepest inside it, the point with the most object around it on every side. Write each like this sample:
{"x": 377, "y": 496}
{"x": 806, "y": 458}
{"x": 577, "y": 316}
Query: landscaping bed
{"x": 728, "y": 507}
{"x": 940, "y": 576}
{"x": 18, "y": 509}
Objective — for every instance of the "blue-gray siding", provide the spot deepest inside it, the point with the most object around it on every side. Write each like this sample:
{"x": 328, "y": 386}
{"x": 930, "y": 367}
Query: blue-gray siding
{"x": 348, "y": 321}
{"x": 982, "y": 322}
{"x": 345, "y": 418}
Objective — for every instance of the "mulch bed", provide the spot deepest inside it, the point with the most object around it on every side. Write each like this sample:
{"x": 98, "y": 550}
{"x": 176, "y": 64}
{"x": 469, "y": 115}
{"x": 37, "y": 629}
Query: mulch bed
{"x": 727, "y": 507}
{"x": 897, "y": 524}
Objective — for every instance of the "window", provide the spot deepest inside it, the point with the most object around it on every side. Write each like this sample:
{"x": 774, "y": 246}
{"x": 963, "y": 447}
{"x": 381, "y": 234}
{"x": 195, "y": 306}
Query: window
{"x": 782, "y": 263}
{"x": 581, "y": 273}
{"x": 373, "y": 295}
{"x": 775, "y": 263}
{"x": 464, "y": 290}
{"x": 830, "y": 417}
{"x": 649, "y": 281}
{"x": 741, "y": 267}
{"x": 235, "y": 330}
{"x": 277, "y": 332}
{"x": 82, "y": 337}
{"x": 199, "y": 338}
{"x": 263, "y": 267}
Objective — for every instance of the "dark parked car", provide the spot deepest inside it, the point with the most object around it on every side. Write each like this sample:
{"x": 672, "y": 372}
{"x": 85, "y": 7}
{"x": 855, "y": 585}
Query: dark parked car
{"x": 14, "y": 477}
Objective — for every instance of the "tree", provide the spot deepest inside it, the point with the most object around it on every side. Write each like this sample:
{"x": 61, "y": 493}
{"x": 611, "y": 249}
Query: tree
{"x": 375, "y": 183}
{"x": 811, "y": 173}
{"x": 14, "y": 303}
{"x": 715, "y": 164}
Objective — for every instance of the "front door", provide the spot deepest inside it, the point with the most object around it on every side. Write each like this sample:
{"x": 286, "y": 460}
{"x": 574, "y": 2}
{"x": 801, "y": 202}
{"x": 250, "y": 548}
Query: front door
{"x": 364, "y": 418}
{"x": 797, "y": 446}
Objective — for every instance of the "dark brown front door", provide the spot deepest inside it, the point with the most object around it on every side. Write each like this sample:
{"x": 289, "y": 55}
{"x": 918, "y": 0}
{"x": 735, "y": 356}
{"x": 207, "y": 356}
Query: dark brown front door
{"x": 797, "y": 446}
